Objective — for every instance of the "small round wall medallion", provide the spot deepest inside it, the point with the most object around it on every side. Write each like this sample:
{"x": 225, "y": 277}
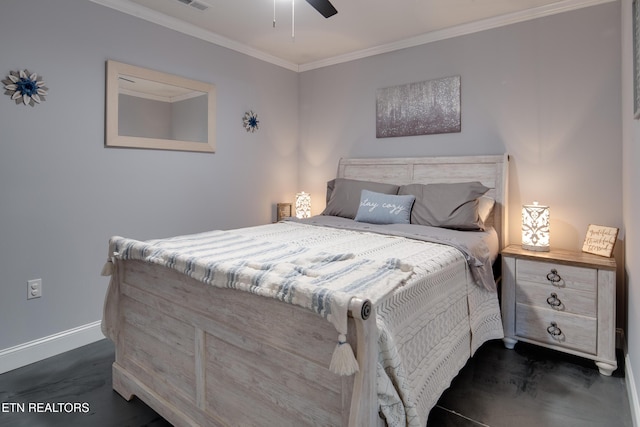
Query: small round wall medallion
{"x": 25, "y": 87}
{"x": 250, "y": 121}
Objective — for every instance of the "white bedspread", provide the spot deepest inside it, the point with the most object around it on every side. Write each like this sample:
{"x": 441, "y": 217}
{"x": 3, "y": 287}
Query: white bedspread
{"x": 427, "y": 328}
{"x": 430, "y": 314}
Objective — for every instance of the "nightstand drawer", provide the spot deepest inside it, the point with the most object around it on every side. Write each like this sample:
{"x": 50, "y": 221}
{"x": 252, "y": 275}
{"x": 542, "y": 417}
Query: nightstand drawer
{"x": 557, "y": 299}
{"x": 574, "y": 332}
{"x": 557, "y": 275}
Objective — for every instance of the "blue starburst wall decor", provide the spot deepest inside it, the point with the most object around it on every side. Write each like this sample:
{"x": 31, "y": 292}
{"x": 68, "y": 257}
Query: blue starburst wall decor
{"x": 250, "y": 121}
{"x": 25, "y": 88}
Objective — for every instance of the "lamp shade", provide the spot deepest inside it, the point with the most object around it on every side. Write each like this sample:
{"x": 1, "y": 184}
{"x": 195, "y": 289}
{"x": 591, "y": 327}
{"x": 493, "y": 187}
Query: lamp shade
{"x": 303, "y": 205}
{"x": 535, "y": 227}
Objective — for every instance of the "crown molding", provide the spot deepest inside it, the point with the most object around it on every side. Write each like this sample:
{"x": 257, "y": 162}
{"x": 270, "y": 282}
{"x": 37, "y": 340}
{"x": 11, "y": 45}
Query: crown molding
{"x": 459, "y": 30}
{"x": 150, "y": 15}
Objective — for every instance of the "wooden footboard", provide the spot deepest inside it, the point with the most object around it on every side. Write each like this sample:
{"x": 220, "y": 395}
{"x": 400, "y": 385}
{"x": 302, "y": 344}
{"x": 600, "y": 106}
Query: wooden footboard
{"x": 200, "y": 355}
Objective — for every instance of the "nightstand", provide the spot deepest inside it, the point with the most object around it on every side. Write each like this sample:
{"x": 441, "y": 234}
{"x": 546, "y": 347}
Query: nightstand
{"x": 562, "y": 300}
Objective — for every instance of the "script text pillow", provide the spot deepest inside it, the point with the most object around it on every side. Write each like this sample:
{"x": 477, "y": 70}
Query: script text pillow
{"x": 377, "y": 208}
{"x": 343, "y": 195}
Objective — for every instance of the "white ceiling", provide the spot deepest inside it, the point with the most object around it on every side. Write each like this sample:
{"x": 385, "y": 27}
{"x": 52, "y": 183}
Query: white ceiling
{"x": 361, "y": 27}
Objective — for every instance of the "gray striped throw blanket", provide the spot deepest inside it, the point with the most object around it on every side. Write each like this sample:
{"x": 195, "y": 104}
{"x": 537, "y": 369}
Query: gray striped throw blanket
{"x": 318, "y": 281}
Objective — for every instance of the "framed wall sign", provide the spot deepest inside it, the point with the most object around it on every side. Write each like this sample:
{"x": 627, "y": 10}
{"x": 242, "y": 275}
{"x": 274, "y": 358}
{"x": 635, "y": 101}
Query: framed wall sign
{"x": 283, "y": 210}
{"x": 600, "y": 240}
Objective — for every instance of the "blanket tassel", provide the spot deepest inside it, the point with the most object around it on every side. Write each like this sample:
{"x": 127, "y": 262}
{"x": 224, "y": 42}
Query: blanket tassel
{"x": 107, "y": 269}
{"x": 343, "y": 362}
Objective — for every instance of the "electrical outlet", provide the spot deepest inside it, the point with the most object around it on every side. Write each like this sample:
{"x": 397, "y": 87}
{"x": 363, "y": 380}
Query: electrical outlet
{"x": 34, "y": 288}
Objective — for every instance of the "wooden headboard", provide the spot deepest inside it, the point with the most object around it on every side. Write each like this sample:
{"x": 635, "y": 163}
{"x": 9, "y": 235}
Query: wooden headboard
{"x": 491, "y": 171}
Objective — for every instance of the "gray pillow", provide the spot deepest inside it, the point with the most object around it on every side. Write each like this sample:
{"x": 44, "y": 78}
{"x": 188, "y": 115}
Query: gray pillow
{"x": 446, "y": 205}
{"x": 485, "y": 210}
{"x": 378, "y": 208}
{"x": 343, "y": 195}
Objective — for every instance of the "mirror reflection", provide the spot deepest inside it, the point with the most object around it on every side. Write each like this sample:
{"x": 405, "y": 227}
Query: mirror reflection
{"x": 156, "y": 110}
{"x": 150, "y": 109}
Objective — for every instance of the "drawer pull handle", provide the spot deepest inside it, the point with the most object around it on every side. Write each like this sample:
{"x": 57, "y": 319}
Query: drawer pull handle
{"x": 554, "y": 301}
{"x": 554, "y": 331}
{"x": 554, "y": 277}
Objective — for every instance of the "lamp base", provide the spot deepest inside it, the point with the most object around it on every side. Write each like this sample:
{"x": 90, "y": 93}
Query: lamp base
{"x": 536, "y": 248}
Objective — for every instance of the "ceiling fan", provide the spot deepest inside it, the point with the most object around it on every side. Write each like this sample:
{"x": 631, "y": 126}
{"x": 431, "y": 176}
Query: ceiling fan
{"x": 325, "y": 7}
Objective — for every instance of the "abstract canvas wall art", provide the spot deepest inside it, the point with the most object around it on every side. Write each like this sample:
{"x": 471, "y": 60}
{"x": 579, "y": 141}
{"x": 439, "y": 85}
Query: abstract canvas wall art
{"x": 422, "y": 108}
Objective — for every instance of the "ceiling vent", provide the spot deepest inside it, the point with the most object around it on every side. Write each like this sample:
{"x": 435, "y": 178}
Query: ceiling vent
{"x": 195, "y": 4}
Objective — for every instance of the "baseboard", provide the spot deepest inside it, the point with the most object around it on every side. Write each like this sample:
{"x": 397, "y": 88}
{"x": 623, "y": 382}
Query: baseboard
{"x": 632, "y": 393}
{"x": 42, "y": 348}
{"x": 632, "y": 390}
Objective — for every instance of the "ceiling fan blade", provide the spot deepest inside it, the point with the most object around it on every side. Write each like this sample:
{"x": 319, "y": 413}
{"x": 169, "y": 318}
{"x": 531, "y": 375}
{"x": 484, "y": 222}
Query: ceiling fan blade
{"x": 325, "y": 7}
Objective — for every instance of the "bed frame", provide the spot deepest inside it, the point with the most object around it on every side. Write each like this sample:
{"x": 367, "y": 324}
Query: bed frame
{"x": 205, "y": 356}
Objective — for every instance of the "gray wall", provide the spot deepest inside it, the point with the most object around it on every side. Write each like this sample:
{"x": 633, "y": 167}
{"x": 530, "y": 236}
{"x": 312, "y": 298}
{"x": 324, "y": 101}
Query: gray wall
{"x": 189, "y": 119}
{"x": 631, "y": 197}
{"x": 545, "y": 91}
{"x": 62, "y": 194}
{"x": 145, "y": 118}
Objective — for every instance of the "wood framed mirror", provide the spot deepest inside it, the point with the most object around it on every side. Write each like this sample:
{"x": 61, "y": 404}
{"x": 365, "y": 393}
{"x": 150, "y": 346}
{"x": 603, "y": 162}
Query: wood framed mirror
{"x": 155, "y": 110}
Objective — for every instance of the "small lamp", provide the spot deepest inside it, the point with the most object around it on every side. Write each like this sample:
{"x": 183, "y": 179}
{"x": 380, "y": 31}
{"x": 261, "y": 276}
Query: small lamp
{"x": 535, "y": 227}
{"x": 303, "y": 205}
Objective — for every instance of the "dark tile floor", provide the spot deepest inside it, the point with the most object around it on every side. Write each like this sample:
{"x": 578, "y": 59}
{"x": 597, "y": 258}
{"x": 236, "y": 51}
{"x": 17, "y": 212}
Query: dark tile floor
{"x": 532, "y": 386}
{"x": 528, "y": 386}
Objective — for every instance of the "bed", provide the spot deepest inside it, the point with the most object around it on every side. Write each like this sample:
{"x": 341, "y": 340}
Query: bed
{"x": 228, "y": 328}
